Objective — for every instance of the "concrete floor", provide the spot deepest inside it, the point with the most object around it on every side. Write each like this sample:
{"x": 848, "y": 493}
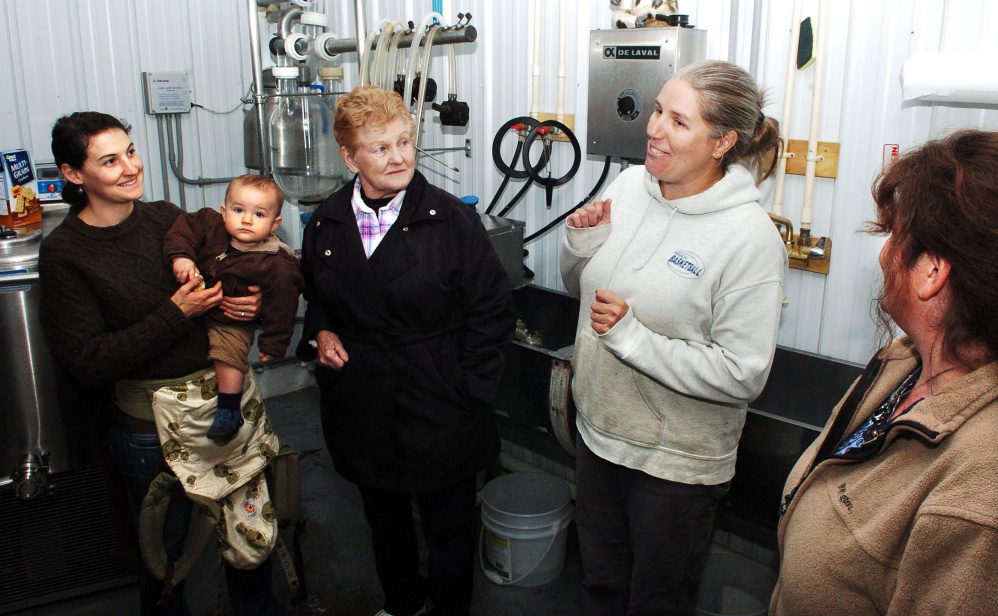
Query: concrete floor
{"x": 339, "y": 567}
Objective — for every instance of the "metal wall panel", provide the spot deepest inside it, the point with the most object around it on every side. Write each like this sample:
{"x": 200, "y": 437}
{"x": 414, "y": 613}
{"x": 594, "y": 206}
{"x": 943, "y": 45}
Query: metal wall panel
{"x": 64, "y": 55}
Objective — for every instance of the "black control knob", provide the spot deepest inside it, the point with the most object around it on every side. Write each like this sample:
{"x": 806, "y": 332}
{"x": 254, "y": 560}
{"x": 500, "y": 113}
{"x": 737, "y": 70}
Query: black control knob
{"x": 628, "y": 107}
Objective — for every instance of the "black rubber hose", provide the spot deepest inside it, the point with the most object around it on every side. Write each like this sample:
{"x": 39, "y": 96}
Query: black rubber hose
{"x": 554, "y": 223}
{"x": 532, "y": 172}
{"x": 509, "y": 171}
{"x": 549, "y": 183}
{"x": 497, "y": 147}
{"x": 505, "y": 180}
{"x": 517, "y": 198}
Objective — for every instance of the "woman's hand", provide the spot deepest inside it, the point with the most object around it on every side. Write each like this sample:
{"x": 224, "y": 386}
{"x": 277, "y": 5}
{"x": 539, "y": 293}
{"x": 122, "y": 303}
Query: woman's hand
{"x": 264, "y": 358}
{"x": 331, "y": 351}
{"x": 242, "y": 309}
{"x": 194, "y": 303}
{"x": 608, "y": 309}
{"x": 593, "y": 214}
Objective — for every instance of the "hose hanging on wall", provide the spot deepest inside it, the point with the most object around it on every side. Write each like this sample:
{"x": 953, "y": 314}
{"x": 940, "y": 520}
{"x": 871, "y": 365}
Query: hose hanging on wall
{"x": 542, "y": 130}
{"x": 509, "y": 171}
{"x": 516, "y": 198}
{"x": 592, "y": 193}
{"x": 505, "y": 179}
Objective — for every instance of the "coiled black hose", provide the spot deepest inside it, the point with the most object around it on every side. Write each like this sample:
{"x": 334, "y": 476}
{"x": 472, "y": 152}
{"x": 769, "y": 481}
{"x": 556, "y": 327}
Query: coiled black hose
{"x": 554, "y": 223}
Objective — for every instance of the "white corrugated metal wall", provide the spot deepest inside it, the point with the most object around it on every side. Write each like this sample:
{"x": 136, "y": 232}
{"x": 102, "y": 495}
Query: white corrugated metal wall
{"x": 65, "y": 55}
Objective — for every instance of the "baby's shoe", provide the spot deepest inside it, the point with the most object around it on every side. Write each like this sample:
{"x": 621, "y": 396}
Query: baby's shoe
{"x": 226, "y": 424}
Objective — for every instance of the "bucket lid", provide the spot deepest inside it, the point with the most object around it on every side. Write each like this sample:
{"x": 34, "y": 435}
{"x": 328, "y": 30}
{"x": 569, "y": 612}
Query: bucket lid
{"x": 526, "y": 494}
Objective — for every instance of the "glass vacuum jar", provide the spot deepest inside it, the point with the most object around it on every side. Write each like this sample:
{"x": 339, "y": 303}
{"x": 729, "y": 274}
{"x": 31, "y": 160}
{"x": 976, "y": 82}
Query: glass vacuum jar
{"x": 304, "y": 157}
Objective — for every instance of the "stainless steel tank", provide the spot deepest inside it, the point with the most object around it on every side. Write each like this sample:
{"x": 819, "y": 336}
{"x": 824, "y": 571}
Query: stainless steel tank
{"x": 36, "y": 439}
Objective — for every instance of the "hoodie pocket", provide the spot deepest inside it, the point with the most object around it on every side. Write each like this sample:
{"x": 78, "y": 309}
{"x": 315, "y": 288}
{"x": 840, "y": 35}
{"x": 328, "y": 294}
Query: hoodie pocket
{"x": 606, "y": 395}
{"x": 690, "y": 426}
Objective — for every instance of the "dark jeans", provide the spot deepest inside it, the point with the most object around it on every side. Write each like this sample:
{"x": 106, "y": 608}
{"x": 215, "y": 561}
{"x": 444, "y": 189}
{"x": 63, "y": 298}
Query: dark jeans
{"x": 449, "y": 521}
{"x": 644, "y": 540}
{"x": 138, "y": 459}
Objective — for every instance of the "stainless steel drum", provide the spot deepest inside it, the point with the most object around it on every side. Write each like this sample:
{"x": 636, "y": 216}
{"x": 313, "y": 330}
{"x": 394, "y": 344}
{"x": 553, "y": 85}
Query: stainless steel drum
{"x": 36, "y": 439}
{"x": 54, "y": 498}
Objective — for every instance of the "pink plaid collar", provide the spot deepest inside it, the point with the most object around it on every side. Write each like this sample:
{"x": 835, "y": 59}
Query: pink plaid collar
{"x": 373, "y": 226}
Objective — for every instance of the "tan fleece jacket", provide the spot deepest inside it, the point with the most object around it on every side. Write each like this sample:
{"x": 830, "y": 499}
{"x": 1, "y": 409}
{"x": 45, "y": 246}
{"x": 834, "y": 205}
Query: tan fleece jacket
{"x": 912, "y": 529}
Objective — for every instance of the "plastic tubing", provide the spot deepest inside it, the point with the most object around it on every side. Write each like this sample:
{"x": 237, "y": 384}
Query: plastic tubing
{"x": 427, "y": 50}
{"x": 788, "y": 105}
{"x": 417, "y": 34}
{"x": 410, "y": 74}
{"x": 364, "y": 53}
{"x": 451, "y": 72}
{"x": 395, "y": 68}
{"x": 379, "y": 60}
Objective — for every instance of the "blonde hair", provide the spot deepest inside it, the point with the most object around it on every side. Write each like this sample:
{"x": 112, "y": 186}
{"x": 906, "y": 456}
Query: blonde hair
{"x": 367, "y": 106}
{"x": 729, "y": 99}
{"x": 259, "y": 182}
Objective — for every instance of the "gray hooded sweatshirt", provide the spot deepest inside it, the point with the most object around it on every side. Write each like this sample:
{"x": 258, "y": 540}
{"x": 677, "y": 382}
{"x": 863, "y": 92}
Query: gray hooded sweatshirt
{"x": 665, "y": 390}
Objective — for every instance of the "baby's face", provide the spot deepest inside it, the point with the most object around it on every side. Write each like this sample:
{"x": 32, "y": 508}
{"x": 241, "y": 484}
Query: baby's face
{"x": 250, "y": 216}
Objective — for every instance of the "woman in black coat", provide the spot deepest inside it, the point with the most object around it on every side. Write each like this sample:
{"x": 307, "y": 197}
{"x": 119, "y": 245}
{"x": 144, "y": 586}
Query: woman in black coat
{"x": 408, "y": 312}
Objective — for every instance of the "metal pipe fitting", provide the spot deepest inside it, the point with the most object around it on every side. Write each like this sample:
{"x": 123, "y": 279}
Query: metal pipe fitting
{"x": 30, "y": 478}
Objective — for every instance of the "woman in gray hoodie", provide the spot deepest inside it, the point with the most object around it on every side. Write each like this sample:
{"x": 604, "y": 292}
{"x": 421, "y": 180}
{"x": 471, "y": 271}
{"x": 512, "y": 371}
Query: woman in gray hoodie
{"x": 686, "y": 286}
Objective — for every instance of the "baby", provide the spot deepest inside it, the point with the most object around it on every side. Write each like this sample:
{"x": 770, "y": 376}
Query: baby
{"x": 238, "y": 247}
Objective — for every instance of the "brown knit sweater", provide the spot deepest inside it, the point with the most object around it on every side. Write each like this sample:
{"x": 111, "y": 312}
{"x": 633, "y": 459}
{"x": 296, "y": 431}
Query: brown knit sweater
{"x": 105, "y": 306}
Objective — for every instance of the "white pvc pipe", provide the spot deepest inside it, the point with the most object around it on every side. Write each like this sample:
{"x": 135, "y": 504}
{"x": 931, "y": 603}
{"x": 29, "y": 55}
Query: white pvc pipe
{"x": 361, "y": 22}
{"x": 562, "y": 42}
{"x": 788, "y": 104}
{"x": 535, "y": 104}
{"x": 812, "y": 140}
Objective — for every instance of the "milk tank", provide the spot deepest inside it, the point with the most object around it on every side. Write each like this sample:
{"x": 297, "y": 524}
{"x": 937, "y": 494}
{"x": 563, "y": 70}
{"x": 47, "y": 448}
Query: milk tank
{"x": 54, "y": 497}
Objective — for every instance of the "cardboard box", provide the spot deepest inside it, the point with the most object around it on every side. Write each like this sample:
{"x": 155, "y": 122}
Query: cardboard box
{"x": 19, "y": 204}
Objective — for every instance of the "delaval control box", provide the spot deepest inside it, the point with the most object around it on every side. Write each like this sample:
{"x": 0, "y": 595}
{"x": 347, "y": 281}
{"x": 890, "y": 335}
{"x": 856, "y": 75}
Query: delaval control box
{"x": 627, "y": 69}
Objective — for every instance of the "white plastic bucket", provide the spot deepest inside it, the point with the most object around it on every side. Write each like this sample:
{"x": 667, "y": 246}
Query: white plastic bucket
{"x": 525, "y": 518}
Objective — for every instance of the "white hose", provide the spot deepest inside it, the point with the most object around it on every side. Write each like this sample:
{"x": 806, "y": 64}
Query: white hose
{"x": 365, "y": 59}
{"x": 395, "y": 68}
{"x": 410, "y": 74}
{"x": 423, "y": 80}
{"x": 417, "y": 34}
{"x": 364, "y": 53}
{"x": 379, "y": 60}
{"x": 451, "y": 72}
